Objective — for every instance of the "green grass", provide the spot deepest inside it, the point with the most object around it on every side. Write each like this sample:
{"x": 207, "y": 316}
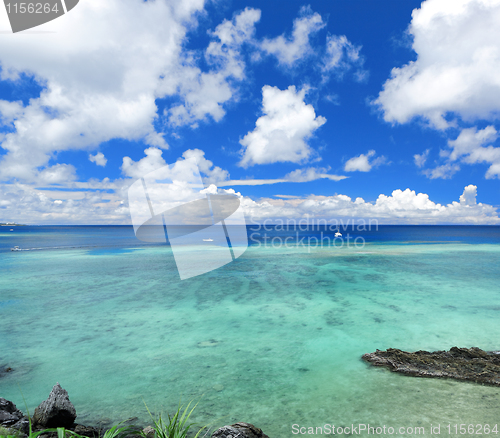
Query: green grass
{"x": 177, "y": 426}
{"x": 4, "y": 432}
{"x": 114, "y": 432}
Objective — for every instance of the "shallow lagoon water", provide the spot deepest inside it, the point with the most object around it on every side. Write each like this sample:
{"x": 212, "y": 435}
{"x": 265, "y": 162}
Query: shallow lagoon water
{"x": 274, "y": 338}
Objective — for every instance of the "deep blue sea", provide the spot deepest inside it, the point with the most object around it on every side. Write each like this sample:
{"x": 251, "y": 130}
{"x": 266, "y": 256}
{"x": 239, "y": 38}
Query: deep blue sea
{"x": 273, "y": 338}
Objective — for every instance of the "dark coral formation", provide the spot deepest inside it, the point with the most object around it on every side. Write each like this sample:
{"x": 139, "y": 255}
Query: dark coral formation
{"x": 470, "y": 364}
{"x": 239, "y": 430}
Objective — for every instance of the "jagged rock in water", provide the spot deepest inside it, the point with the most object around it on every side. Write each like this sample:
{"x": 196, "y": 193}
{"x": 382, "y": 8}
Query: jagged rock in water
{"x": 4, "y": 369}
{"x": 239, "y": 430}
{"x": 56, "y": 411}
{"x": 470, "y": 364}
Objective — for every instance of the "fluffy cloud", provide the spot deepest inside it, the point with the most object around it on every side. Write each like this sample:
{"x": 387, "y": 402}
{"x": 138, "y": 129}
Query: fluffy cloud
{"x": 280, "y": 134}
{"x": 100, "y": 80}
{"x": 137, "y": 169}
{"x": 456, "y": 72}
{"x": 24, "y": 204}
{"x": 213, "y": 174}
{"x": 468, "y": 197}
{"x": 204, "y": 93}
{"x": 444, "y": 171}
{"x": 341, "y": 55}
{"x": 98, "y": 159}
{"x": 362, "y": 162}
{"x": 154, "y": 161}
{"x": 420, "y": 159}
{"x": 470, "y": 140}
{"x": 472, "y": 146}
{"x": 290, "y": 50}
{"x": 401, "y": 207}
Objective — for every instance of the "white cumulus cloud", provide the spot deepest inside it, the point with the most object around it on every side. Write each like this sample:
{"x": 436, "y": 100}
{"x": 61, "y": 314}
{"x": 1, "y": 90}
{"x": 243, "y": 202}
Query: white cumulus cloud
{"x": 213, "y": 174}
{"x": 444, "y": 171}
{"x": 137, "y": 169}
{"x": 468, "y": 197}
{"x": 281, "y": 134}
{"x": 341, "y": 55}
{"x": 100, "y": 79}
{"x": 421, "y": 159}
{"x": 457, "y": 43}
{"x": 297, "y": 47}
{"x": 204, "y": 93}
{"x": 401, "y": 207}
{"x": 471, "y": 146}
{"x": 23, "y": 204}
{"x": 101, "y": 70}
{"x": 362, "y": 162}
{"x": 154, "y": 160}
{"x": 98, "y": 159}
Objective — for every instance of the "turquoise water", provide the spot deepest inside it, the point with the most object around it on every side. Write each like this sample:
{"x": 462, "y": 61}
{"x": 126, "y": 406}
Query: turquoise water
{"x": 274, "y": 338}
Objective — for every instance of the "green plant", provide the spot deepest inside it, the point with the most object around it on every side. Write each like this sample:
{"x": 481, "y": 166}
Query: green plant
{"x": 116, "y": 431}
{"x": 177, "y": 425}
{"x": 7, "y": 433}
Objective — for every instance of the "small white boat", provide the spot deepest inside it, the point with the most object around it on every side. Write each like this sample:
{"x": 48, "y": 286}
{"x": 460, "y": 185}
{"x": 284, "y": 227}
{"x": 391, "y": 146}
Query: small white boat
{"x": 338, "y": 234}
{"x": 208, "y": 240}
{"x": 11, "y": 229}
{"x": 16, "y": 248}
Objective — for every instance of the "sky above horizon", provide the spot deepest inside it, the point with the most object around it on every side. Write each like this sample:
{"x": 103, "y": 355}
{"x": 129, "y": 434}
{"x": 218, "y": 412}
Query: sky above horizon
{"x": 386, "y": 110}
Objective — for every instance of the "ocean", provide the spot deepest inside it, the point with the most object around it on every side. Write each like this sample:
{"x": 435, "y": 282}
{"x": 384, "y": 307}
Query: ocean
{"x": 274, "y": 338}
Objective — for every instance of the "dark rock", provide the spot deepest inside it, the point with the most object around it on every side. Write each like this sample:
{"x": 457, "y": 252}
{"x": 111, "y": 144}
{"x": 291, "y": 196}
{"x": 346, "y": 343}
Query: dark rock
{"x": 9, "y": 414}
{"x": 148, "y": 432}
{"x": 4, "y": 369}
{"x": 23, "y": 425}
{"x": 239, "y": 430}
{"x": 88, "y": 431}
{"x": 470, "y": 364}
{"x": 56, "y": 411}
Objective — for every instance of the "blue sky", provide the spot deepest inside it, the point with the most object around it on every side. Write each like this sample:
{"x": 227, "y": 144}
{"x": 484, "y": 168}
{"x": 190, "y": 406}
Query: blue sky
{"x": 341, "y": 108}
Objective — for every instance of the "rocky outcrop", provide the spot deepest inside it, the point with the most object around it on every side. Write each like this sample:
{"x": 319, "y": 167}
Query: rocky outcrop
{"x": 470, "y": 364}
{"x": 9, "y": 414}
{"x": 12, "y": 418}
{"x": 56, "y": 411}
{"x": 239, "y": 430}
